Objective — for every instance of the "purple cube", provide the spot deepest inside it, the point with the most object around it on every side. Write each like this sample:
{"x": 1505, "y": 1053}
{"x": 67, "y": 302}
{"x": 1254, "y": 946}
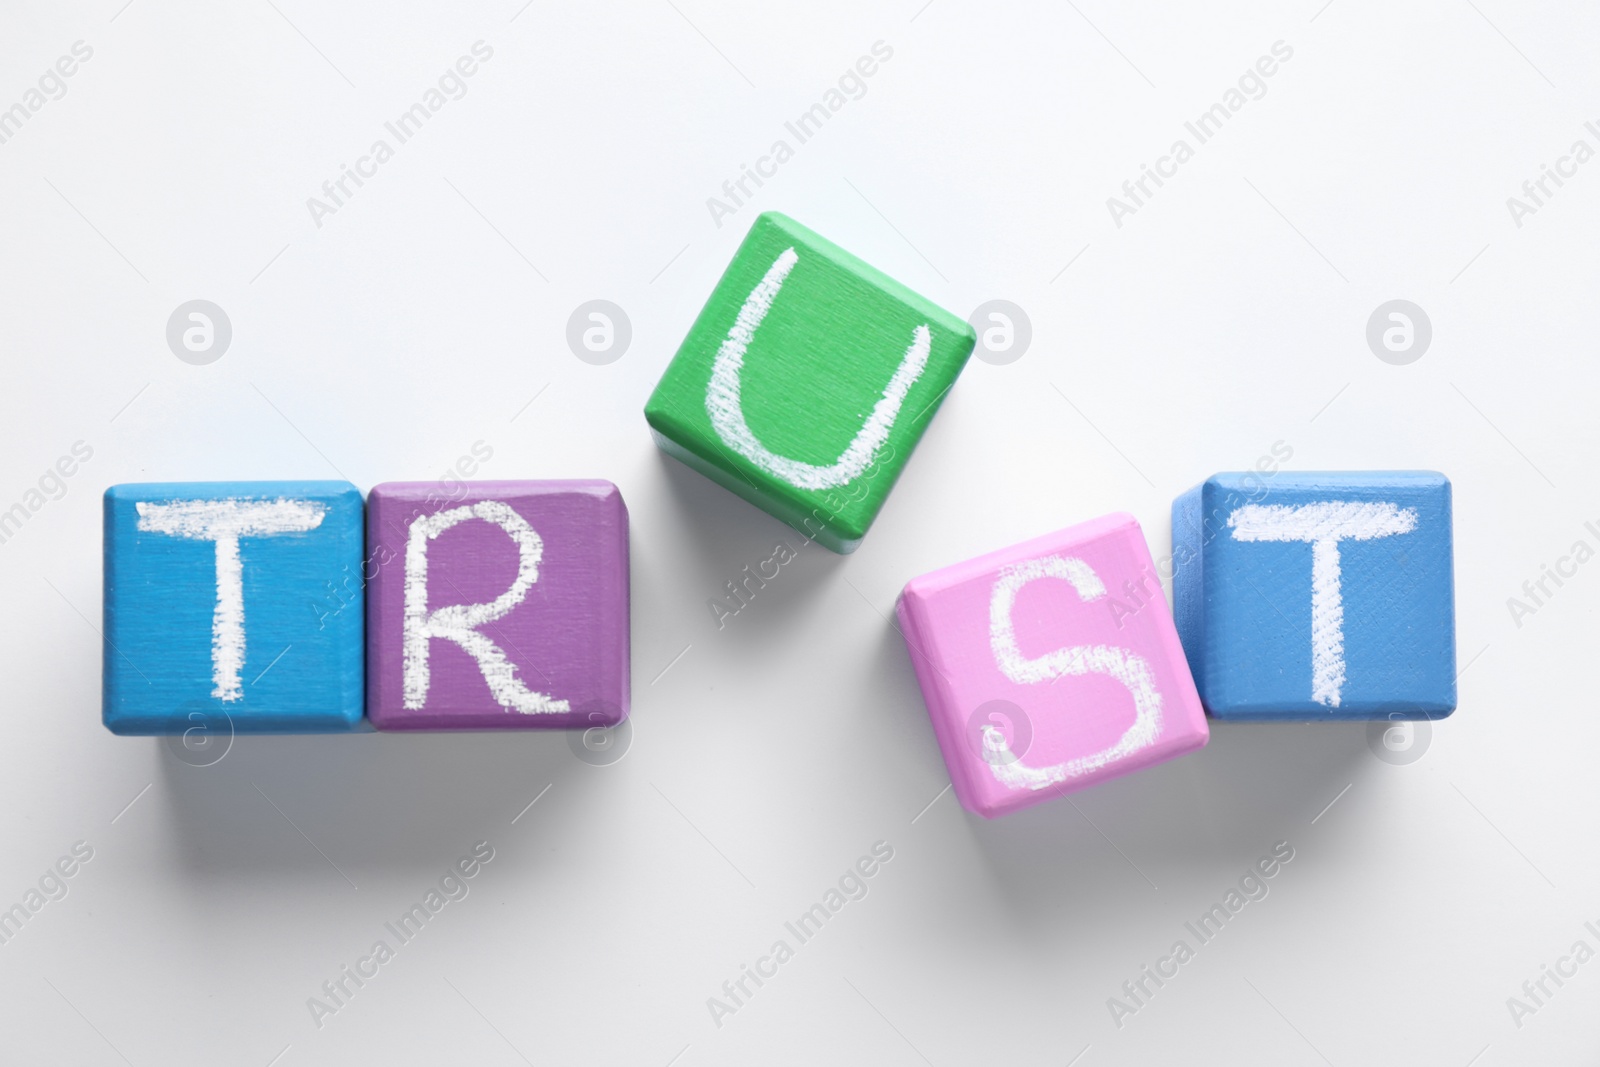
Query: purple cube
{"x": 497, "y": 605}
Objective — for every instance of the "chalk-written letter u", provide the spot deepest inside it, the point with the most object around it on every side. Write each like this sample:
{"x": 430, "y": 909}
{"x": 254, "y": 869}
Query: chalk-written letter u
{"x": 726, "y": 408}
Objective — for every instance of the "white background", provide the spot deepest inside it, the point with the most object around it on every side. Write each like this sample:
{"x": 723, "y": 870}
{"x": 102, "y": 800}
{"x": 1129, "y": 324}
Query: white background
{"x": 1226, "y": 315}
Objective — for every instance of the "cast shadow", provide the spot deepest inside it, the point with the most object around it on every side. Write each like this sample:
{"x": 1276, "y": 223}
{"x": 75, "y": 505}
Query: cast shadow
{"x": 372, "y": 804}
{"x": 724, "y": 533}
{"x": 291, "y": 808}
{"x": 1209, "y": 814}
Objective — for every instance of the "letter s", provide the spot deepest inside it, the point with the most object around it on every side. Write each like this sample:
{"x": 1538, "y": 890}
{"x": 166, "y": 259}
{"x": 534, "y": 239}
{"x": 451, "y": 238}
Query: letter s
{"x": 1119, "y": 664}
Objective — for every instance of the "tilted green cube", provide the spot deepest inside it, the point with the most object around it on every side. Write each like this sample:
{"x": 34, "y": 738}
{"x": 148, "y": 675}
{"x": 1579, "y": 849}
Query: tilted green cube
{"x": 806, "y": 381}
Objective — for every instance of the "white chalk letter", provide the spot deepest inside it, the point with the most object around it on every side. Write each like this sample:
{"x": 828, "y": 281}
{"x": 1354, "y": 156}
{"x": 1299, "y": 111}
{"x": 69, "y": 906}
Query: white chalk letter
{"x": 726, "y": 409}
{"x": 460, "y": 622}
{"x": 225, "y": 522}
{"x": 1324, "y": 525}
{"x": 1131, "y": 670}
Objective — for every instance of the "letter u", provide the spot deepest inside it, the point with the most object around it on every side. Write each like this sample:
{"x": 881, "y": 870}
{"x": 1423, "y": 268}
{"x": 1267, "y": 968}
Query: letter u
{"x": 726, "y": 407}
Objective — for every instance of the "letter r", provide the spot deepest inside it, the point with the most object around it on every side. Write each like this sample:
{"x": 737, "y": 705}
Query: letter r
{"x": 460, "y": 622}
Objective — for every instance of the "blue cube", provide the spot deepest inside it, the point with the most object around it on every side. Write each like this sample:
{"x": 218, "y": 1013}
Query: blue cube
{"x": 1318, "y": 596}
{"x": 233, "y": 605}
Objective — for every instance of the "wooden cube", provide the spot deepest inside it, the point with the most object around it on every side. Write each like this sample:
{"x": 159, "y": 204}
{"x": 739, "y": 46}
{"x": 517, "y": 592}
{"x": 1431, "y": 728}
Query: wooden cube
{"x": 497, "y": 605}
{"x": 1318, "y": 596}
{"x": 806, "y": 381}
{"x": 1050, "y": 666}
{"x": 235, "y": 602}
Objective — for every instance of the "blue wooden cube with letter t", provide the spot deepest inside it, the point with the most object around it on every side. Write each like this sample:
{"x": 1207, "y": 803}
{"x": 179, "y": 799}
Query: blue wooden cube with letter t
{"x": 234, "y": 606}
{"x": 1318, "y": 596}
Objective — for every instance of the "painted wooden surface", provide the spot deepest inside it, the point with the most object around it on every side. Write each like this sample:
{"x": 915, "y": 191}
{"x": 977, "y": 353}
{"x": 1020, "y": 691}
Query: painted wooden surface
{"x": 806, "y": 381}
{"x": 234, "y": 599}
{"x": 497, "y": 605}
{"x": 1318, "y": 596}
{"x": 1051, "y": 665}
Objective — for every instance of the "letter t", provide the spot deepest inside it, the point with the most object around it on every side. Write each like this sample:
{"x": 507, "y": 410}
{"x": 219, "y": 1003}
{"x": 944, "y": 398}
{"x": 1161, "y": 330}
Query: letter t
{"x": 1324, "y": 525}
{"x": 225, "y": 522}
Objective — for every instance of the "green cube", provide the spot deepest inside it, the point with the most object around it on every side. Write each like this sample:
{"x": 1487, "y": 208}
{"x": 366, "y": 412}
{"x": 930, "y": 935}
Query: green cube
{"x": 806, "y": 381}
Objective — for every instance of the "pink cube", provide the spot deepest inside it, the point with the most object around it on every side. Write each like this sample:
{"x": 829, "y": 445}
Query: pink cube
{"x": 1051, "y": 665}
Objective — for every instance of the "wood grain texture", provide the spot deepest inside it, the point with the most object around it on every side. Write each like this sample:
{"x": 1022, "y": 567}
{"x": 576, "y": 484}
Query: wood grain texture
{"x": 806, "y": 381}
{"x": 549, "y": 559}
{"x": 234, "y": 599}
{"x": 1050, "y": 666}
{"x": 1318, "y": 596}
